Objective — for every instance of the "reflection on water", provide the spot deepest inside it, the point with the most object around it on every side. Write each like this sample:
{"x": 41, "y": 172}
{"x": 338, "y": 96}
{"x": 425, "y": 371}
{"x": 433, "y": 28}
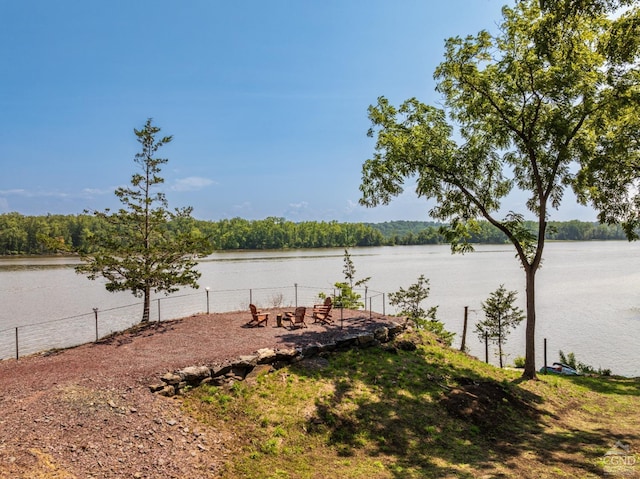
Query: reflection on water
{"x": 32, "y": 267}
{"x": 17, "y": 263}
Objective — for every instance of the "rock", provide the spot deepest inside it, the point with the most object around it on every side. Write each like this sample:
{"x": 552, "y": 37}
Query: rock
{"x": 381, "y": 334}
{"x": 286, "y": 354}
{"x": 266, "y": 355}
{"x": 366, "y": 339}
{"x": 167, "y": 391}
{"x": 171, "y": 378}
{"x": 310, "y": 351}
{"x": 245, "y": 362}
{"x": 220, "y": 370}
{"x": 327, "y": 348}
{"x": 347, "y": 342}
{"x": 219, "y": 380}
{"x": 395, "y": 329}
{"x": 194, "y": 374}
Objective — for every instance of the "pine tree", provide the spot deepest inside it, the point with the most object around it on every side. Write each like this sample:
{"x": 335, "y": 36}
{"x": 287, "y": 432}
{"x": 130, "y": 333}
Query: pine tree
{"x": 137, "y": 251}
{"x": 500, "y": 317}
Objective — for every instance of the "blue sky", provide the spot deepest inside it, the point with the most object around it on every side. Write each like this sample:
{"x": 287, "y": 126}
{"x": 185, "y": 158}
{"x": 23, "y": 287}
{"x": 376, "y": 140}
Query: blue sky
{"x": 266, "y": 100}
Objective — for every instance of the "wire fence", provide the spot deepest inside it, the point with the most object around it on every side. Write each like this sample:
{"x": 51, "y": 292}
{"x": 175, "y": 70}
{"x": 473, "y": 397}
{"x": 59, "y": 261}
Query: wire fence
{"x": 96, "y": 324}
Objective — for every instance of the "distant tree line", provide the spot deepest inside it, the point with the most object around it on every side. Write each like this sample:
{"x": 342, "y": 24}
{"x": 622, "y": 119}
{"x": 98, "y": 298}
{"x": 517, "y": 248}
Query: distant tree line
{"x": 33, "y": 235}
{"x": 427, "y": 232}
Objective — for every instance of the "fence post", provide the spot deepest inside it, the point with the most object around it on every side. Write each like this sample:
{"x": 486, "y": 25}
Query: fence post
{"x": 158, "y": 310}
{"x": 207, "y": 290}
{"x": 370, "y": 308}
{"x": 365, "y": 298}
{"x": 545, "y": 355}
{"x": 95, "y": 312}
{"x": 250, "y": 296}
{"x": 383, "y": 301}
{"x": 17, "y": 348}
{"x": 486, "y": 348}
{"x": 295, "y": 286}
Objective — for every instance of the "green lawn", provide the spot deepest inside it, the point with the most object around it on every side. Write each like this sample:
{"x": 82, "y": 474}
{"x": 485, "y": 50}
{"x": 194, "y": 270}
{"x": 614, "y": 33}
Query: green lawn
{"x": 428, "y": 413}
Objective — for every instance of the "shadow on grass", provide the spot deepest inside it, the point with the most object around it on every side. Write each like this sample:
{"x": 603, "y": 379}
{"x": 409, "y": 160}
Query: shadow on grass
{"x": 609, "y": 384}
{"x": 437, "y": 413}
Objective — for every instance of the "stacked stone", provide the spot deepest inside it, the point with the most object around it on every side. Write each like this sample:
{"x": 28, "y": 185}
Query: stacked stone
{"x": 247, "y": 368}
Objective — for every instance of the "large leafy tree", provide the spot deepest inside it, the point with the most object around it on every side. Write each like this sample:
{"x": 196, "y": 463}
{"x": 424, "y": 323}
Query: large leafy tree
{"x": 524, "y": 111}
{"x": 137, "y": 250}
{"x": 611, "y": 179}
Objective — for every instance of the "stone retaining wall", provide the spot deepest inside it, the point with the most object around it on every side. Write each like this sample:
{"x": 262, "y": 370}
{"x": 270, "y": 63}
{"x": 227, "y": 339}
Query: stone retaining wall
{"x": 245, "y": 367}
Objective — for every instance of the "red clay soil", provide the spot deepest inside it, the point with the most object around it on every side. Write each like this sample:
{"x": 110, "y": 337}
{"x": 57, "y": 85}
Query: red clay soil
{"x": 87, "y": 412}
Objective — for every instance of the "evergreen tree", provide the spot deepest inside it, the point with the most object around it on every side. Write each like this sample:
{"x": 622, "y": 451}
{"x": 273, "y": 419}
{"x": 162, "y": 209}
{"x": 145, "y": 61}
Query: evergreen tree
{"x": 410, "y": 303}
{"x": 347, "y": 296}
{"x": 137, "y": 251}
{"x": 500, "y": 317}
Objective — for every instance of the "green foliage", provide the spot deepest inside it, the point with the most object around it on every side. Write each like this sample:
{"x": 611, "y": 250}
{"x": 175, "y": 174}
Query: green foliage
{"x": 582, "y": 368}
{"x": 530, "y": 109}
{"x": 346, "y": 296}
{"x": 410, "y": 303}
{"x": 437, "y": 327}
{"x": 518, "y": 362}
{"x": 501, "y": 315}
{"x": 410, "y": 300}
{"x": 137, "y": 251}
{"x": 34, "y": 235}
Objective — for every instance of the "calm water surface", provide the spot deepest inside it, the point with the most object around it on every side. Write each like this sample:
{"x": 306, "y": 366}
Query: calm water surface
{"x": 587, "y": 292}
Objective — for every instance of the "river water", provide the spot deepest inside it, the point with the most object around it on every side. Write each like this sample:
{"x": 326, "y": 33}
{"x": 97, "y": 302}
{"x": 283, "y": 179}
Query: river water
{"x": 587, "y": 293}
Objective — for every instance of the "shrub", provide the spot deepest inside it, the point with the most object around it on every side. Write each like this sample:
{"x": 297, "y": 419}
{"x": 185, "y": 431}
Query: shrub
{"x": 410, "y": 303}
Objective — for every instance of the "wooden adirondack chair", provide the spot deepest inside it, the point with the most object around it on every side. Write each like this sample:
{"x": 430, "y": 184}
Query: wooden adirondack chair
{"x": 297, "y": 317}
{"x": 257, "y": 317}
{"x": 322, "y": 312}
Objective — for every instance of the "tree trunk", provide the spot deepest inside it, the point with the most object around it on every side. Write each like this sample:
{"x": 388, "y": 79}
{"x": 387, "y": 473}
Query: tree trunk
{"x": 463, "y": 344}
{"x": 500, "y": 340}
{"x": 147, "y": 304}
{"x": 530, "y": 338}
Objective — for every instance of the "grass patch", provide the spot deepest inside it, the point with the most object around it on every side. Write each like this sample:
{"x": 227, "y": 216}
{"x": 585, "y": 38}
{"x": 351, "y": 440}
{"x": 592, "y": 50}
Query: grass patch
{"x": 429, "y": 413}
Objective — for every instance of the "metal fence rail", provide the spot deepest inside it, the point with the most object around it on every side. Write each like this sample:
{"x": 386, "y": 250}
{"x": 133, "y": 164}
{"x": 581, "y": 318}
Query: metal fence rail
{"x": 99, "y": 323}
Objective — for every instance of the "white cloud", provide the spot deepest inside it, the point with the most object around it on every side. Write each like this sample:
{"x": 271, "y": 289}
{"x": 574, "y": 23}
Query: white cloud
{"x": 191, "y": 183}
{"x": 96, "y": 191}
{"x": 303, "y": 205}
{"x": 33, "y": 194}
{"x": 14, "y": 192}
{"x": 245, "y": 206}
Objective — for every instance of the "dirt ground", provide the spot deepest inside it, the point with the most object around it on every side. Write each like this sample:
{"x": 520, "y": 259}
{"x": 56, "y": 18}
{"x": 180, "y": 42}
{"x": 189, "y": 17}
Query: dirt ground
{"x": 87, "y": 412}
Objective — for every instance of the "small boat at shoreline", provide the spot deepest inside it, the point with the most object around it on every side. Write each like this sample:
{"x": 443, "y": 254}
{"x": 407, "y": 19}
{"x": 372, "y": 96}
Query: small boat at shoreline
{"x": 560, "y": 368}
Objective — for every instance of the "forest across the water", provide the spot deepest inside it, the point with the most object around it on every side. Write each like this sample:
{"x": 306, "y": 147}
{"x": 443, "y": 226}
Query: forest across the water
{"x": 51, "y": 234}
